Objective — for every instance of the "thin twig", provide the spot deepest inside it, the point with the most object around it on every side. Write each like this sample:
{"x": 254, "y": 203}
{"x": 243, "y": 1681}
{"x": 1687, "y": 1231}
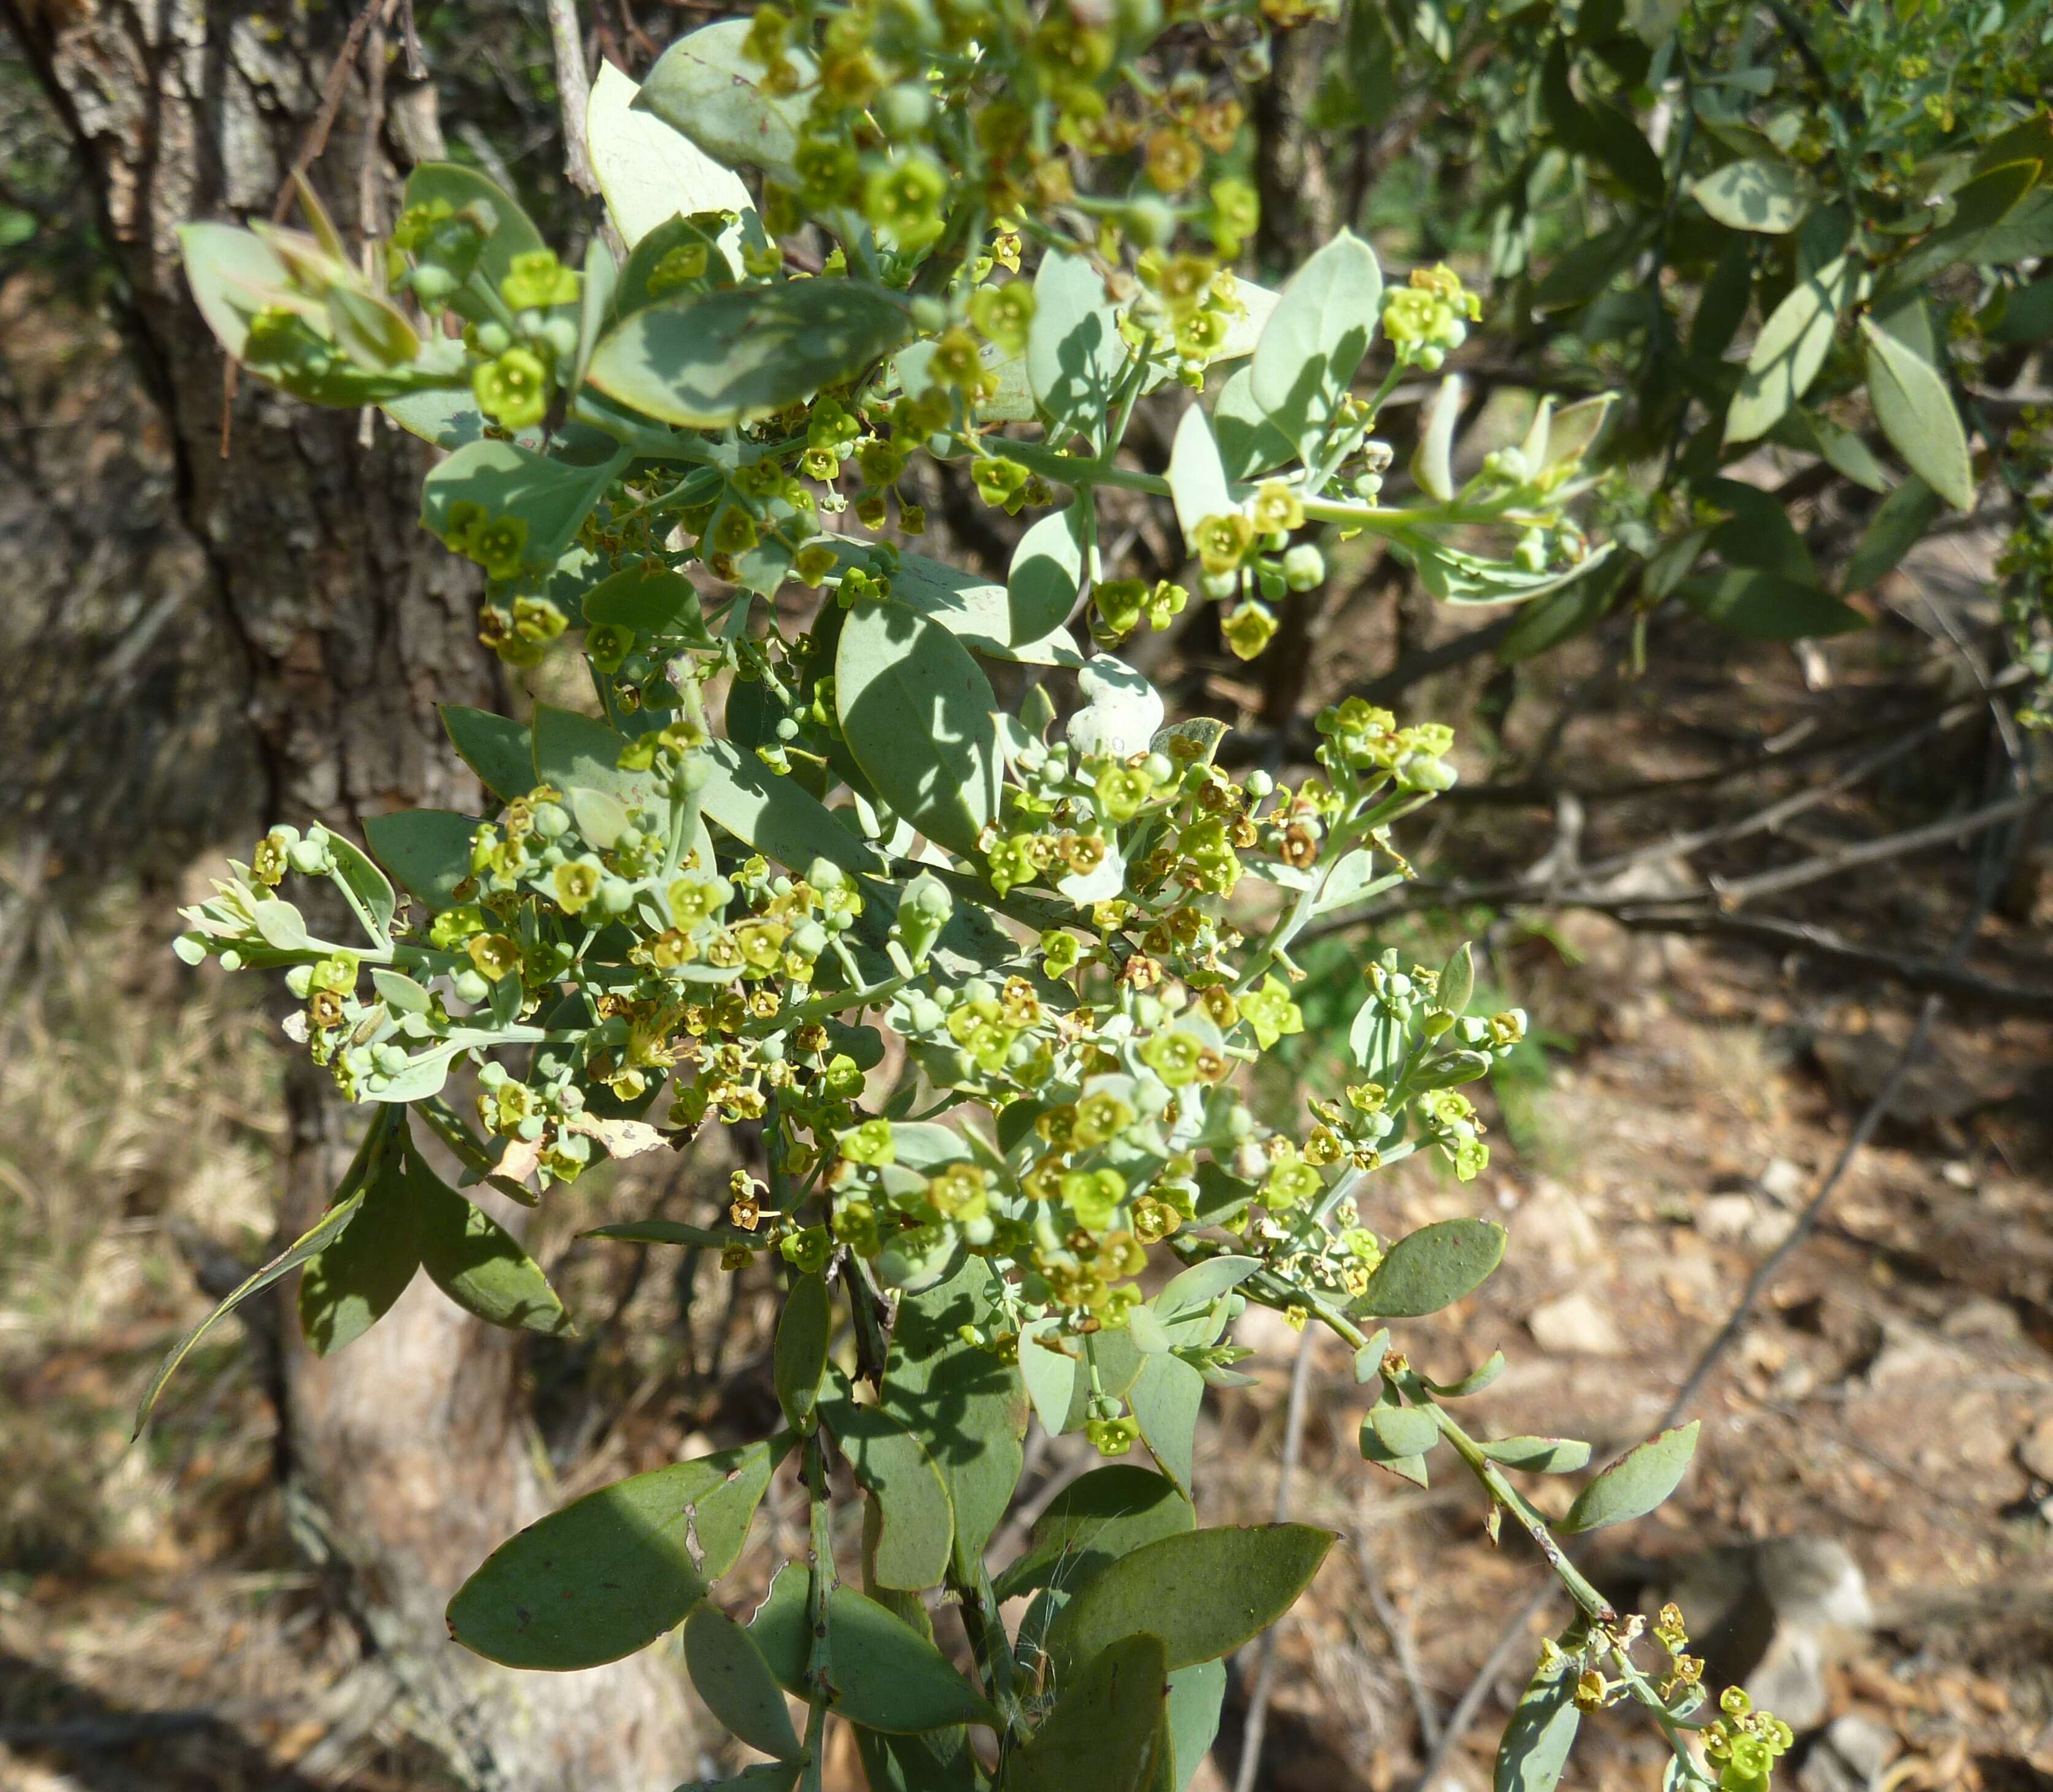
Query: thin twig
{"x": 573, "y": 92}
{"x": 1264, "y": 1673}
{"x": 1403, "y": 1644}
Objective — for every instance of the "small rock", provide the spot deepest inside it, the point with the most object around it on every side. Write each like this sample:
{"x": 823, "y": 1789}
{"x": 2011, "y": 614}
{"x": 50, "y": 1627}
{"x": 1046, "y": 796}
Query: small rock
{"x": 2036, "y": 1451}
{"x": 1958, "y": 1175}
{"x": 1982, "y": 1317}
{"x": 1791, "y": 1679}
{"x": 1815, "y": 1583}
{"x": 1851, "y": 1756}
{"x": 1782, "y": 1180}
{"x": 1574, "y": 1325}
{"x": 1727, "y": 1218}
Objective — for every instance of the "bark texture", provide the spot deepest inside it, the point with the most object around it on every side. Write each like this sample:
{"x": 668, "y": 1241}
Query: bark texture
{"x": 409, "y": 1454}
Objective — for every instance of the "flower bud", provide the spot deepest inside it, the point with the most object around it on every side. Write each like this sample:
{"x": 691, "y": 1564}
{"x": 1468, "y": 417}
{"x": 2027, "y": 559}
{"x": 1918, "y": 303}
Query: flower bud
{"x": 1304, "y": 567}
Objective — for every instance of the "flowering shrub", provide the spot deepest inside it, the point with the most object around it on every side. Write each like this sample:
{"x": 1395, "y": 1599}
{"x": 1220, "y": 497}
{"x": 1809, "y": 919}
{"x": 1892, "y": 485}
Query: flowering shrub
{"x": 773, "y": 853}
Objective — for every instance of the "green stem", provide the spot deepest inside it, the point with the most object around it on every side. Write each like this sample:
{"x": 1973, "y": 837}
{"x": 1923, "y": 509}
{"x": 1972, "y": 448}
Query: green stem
{"x": 819, "y": 1585}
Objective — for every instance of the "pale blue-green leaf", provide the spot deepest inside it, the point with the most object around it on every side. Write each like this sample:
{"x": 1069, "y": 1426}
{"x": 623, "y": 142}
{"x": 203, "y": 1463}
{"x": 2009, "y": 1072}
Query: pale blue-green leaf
{"x": 1046, "y": 574}
{"x": 552, "y": 496}
{"x": 1534, "y": 1752}
{"x": 1316, "y": 338}
{"x": 916, "y": 1531}
{"x": 1021, "y": 621}
{"x": 1074, "y": 353}
{"x": 323, "y": 1232}
{"x": 1197, "y": 478}
{"x": 1050, "y": 1376}
{"x": 706, "y": 85}
{"x": 1197, "y": 1696}
{"x": 648, "y": 172}
{"x": 1249, "y": 443}
{"x": 649, "y": 602}
{"x": 732, "y": 1676}
{"x": 800, "y": 1358}
{"x": 728, "y": 357}
{"x": 608, "y": 1574}
{"x": 1120, "y": 712}
{"x": 1755, "y": 194}
{"x": 427, "y": 850}
{"x": 476, "y": 1262}
{"x": 1433, "y": 1267}
{"x": 1403, "y": 1430}
{"x": 1433, "y": 462}
{"x": 1098, "y": 1517}
{"x": 500, "y": 749}
{"x": 778, "y": 816}
{"x": 888, "y": 1676}
{"x": 1635, "y": 1485}
{"x": 1899, "y": 524}
{"x": 512, "y": 231}
{"x": 1204, "y": 1593}
{"x": 1790, "y": 350}
{"x": 1192, "y": 1290}
{"x": 1540, "y": 1456}
{"x": 1917, "y": 413}
{"x": 919, "y": 718}
{"x": 1166, "y": 1397}
{"x": 1103, "y": 1733}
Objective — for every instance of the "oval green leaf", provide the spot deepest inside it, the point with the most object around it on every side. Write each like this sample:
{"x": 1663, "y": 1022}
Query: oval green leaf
{"x": 1204, "y": 1592}
{"x": 1433, "y": 1267}
{"x": 1096, "y": 1518}
{"x": 732, "y": 1676}
{"x": 1635, "y": 1485}
{"x": 1105, "y": 1728}
{"x": 611, "y": 1572}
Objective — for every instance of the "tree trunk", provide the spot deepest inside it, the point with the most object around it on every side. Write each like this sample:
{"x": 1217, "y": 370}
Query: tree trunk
{"x": 409, "y": 1455}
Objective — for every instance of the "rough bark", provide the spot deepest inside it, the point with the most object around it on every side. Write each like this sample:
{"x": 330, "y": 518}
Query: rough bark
{"x": 409, "y": 1454}
{"x": 1300, "y": 207}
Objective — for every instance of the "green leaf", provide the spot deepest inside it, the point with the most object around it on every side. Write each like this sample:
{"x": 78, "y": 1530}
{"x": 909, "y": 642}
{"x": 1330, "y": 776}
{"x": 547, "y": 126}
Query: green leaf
{"x": 1474, "y": 1382}
{"x": 1074, "y": 353}
{"x": 1768, "y": 197}
{"x": 1249, "y": 443}
{"x": 966, "y": 1406}
{"x": 1763, "y": 606}
{"x": 551, "y": 496}
{"x": 1197, "y": 478}
{"x": 512, "y": 232}
{"x": 1791, "y": 348}
{"x": 919, "y": 716}
{"x": 354, "y": 1282}
{"x": 1758, "y": 532}
{"x": 1540, "y": 1456}
{"x": 1433, "y": 1267}
{"x": 1098, "y": 1517}
{"x": 1194, "y": 1292}
{"x": 496, "y": 747}
{"x": 602, "y": 279}
{"x": 1534, "y": 1752}
{"x": 1204, "y": 1593}
{"x": 1369, "y": 1359}
{"x": 1197, "y": 1695}
{"x": 1316, "y": 338}
{"x": 719, "y": 359}
{"x": 1403, "y": 1430}
{"x": 765, "y": 1776}
{"x": 1916, "y": 411}
{"x": 2027, "y": 315}
{"x": 476, "y": 1261}
{"x": 1050, "y": 1376}
{"x": 669, "y": 1232}
{"x": 916, "y": 1528}
{"x": 1102, "y": 1735}
{"x": 609, "y": 1573}
{"x": 1432, "y": 461}
{"x": 648, "y": 172}
{"x": 1046, "y": 573}
{"x": 1981, "y": 207}
{"x": 317, "y": 1238}
{"x": 427, "y": 850}
{"x": 705, "y": 86}
{"x": 777, "y": 817}
{"x": 366, "y": 883}
{"x": 1899, "y": 524}
{"x": 1456, "y": 576}
{"x": 938, "y": 1761}
{"x": 1021, "y": 621}
{"x": 2025, "y": 235}
{"x": 1635, "y": 1485}
{"x": 574, "y": 751}
{"x": 736, "y": 1684}
{"x": 649, "y": 602}
{"x": 1166, "y": 1397}
{"x": 800, "y": 1358}
{"x": 889, "y": 1677}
